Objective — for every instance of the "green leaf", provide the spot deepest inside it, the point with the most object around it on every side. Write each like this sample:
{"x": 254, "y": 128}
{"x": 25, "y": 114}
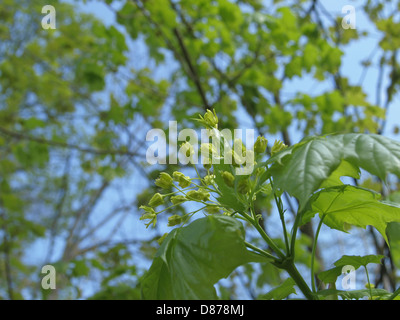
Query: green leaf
{"x": 192, "y": 259}
{"x": 355, "y": 294}
{"x": 282, "y": 291}
{"x": 347, "y": 205}
{"x": 358, "y": 261}
{"x": 302, "y": 169}
{"x": 229, "y": 196}
{"x": 345, "y": 169}
{"x": 331, "y": 275}
{"x": 393, "y": 233}
{"x": 81, "y": 269}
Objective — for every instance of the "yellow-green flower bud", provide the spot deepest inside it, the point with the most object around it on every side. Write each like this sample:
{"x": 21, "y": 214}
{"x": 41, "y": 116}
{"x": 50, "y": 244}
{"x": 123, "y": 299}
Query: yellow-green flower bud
{"x": 212, "y": 209}
{"x": 244, "y": 186}
{"x": 234, "y": 159}
{"x": 260, "y": 145}
{"x": 178, "y": 199}
{"x": 164, "y": 181}
{"x": 183, "y": 180}
{"x": 209, "y": 153}
{"x": 147, "y": 209}
{"x": 249, "y": 155}
{"x": 278, "y": 146}
{"x": 199, "y": 195}
{"x": 187, "y": 149}
{"x": 369, "y": 286}
{"x": 209, "y": 179}
{"x": 174, "y": 220}
{"x": 228, "y": 178}
{"x": 150, "y": 214}
{"x": 238, "y": 146}
{"x": 156, "y": 200}
{"x": 210, "y": 117}
{"x": 205, "y": 194}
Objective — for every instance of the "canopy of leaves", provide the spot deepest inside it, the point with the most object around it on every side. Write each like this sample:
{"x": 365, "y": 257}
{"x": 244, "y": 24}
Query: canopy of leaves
{"x": 76, "y": 103}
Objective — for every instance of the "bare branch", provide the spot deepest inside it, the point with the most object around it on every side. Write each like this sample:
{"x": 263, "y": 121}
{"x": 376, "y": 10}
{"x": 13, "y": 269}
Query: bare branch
{"x": 24, "y": 136}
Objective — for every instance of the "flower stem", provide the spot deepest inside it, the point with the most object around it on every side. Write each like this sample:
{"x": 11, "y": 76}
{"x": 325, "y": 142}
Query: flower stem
{"x": 314, "y": 247}
{"x": 262, "y": 252}
{"x": 296, "y": 276}
{"x": 395, "y": 294}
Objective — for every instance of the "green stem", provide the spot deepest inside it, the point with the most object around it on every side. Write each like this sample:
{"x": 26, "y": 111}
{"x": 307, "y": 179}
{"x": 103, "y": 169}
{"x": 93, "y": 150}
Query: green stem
{"x": 263, "y": 234}
{"x": 369, "y": 283}
{"x": 294, "y": 232}
{"x": 296, "y": 276}
{"x": 395, "y": 294}
{"x": 313, "y": 253}
{"x": 261, "y": 251}
{"x": 278, "y": 202}
{"x": 284, "y": 262}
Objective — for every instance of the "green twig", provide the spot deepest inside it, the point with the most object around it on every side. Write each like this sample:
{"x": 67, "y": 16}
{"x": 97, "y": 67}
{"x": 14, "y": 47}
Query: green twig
{"x": 314, "y": 248}
{"x": 260, "y": 251}
{"x": 279, "y": 205}
{"x": 264, "y": 235}
{"x": 395, "y": 294}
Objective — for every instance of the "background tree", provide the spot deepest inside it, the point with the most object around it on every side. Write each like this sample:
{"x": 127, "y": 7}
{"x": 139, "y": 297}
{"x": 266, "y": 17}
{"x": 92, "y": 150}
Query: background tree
{"x": 76, "y": 104}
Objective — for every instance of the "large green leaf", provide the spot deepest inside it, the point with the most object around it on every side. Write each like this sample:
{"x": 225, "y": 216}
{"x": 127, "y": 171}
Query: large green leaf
{"x": 393, "y": 233}
{"x": 302, "y": 169}
{"x": 347, "y": 205}
{"x": 358, "y": 261}
{"x": 192, "y": 259}
{"x": 331, "y": 275}
{"x": 356, "y": 294}
{"x": 281, "y": 292}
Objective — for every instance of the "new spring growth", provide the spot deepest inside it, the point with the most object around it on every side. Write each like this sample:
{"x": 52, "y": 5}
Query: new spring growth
{"x": 260, "y": 145}
{"x": 199, "y": 195}
{"x": 156, "y": 200}
{"x": 183, "y": 181}
{"x": 236, "y": 159}
{"x": 149, "y": 214}
{"x": 278, "y": 146}
{"x": 187, "y": 149}
{"x": 174, "y": 220}
{"x": 212, "y": 209}
{"x": 164, "y": 181}
{"x": 228, "y": 178}
{"x": 209, "y": 120}
{"x": 178, "y": 199}
{"x": 209, "y": 153}
{"x": 209, "y": 179}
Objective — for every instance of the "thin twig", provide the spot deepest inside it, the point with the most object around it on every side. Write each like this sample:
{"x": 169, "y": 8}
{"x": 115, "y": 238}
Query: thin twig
{"x": 24, "y": 136}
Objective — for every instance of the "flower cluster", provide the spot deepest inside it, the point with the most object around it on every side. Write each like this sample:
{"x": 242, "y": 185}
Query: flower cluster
{"x": 207, "y": 188}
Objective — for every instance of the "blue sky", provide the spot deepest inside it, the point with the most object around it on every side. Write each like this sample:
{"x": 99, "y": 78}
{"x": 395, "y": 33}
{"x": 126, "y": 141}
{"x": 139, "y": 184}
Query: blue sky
{"x": 354, "y": 53}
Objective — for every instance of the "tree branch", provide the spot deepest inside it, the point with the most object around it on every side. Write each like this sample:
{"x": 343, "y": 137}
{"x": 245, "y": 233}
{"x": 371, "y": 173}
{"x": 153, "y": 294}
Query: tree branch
{"x": 193, "y": 73}
{"x": 24, "y": 136}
